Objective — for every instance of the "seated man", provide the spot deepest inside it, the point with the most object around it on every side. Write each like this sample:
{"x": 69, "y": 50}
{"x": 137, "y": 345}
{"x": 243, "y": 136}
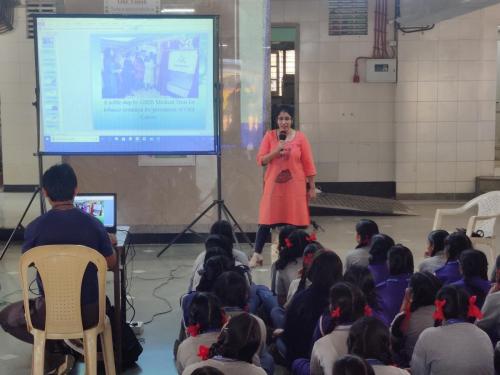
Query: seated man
{"x": 63, "y": 224}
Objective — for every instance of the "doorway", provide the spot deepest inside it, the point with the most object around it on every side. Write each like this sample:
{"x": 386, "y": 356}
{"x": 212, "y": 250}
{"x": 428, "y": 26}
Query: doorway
{"x": 284, "y": 68}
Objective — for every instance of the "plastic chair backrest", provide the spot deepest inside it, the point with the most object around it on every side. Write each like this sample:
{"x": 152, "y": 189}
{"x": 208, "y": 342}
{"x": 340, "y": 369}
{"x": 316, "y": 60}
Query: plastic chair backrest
{"x": 61, "y": 269}
{"x": 487, "y": 204}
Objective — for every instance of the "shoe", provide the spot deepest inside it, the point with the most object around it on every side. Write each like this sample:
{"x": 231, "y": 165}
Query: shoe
{"x": 60, "y": 364}
{"x": 257, "y": 260}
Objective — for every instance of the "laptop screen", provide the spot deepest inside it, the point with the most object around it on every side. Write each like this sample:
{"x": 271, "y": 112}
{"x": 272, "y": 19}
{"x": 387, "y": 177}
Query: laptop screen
{"x": 100, "y": 205}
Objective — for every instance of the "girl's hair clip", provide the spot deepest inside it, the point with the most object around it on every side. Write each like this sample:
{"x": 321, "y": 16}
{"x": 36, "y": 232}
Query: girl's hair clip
{"x": 193, "y": 330}
{"x": 335, "y": 313}
{"x": 474, "y": 311}
{"x": 288, "y": 243}
{"x": 203, "y": 352}
{"x": 438, "y": 313}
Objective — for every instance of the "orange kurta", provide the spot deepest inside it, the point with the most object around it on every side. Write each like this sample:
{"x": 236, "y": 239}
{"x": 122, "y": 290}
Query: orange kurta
{"x": 284, "y": 199}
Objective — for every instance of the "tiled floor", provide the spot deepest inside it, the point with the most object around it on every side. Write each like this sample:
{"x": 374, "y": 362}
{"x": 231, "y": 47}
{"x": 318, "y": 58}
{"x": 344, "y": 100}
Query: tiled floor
{"x": 149, "y": 274}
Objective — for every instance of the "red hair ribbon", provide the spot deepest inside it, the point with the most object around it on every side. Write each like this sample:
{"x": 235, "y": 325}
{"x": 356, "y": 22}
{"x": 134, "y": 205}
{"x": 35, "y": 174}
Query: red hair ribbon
{"x": 335, "y": 313}
{"x": 312, "y": 237}
{"x": 288, "y": 243}
{"x": 307, "y": 260}
{"x": 193, "y": 330}
{"x": 368, "y": 311}
{"x": 203, "y": 352}
{"x": 438, "y": 314}
{"x": 474, "y": 311}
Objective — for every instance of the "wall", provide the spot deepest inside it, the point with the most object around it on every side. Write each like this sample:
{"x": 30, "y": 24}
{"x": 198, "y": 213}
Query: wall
{"x": 445, "y": 105}
{"x": 350, "y": 126}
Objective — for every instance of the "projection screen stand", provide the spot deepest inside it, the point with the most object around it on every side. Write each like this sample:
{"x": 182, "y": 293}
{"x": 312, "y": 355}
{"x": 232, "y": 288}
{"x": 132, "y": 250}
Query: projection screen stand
{"x": 221, "y": 209}
{"x": 38, "y": 189}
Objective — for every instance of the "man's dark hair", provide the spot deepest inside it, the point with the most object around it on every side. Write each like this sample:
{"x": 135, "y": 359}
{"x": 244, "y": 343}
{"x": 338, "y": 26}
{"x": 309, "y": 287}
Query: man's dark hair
{"x": 59, "y": 181}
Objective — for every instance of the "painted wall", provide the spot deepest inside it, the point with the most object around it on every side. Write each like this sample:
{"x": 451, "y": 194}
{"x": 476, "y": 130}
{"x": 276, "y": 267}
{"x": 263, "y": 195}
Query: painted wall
{"x": 350, "y": 126}
{"x": 445, "y": 105}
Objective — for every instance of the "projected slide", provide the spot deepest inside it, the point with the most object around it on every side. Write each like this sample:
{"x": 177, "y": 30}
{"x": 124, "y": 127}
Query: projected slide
{"x": 126, "y": 85}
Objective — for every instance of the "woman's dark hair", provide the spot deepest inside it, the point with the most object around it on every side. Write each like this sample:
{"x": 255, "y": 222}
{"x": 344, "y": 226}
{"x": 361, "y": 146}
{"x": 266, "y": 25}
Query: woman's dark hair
{"x": 400, "y": 260}
{"x": 206, "y": 310}
{"x": 223, "y": 228}
{"x": 474, "y": 264}
{"x": 455, "y": 243}
{"x": 350, "y": 301}
{"x": 352, "y": 365}
{"x": 424, "y": 287}
{"x": 283, "y": 235}
{"x": 282, "y": 108}
{"x": 298, "y": 241}
{"x": 456, "y": 305}
{"x": 232, "y": 289}
{"x": 216, "y": 263}
{"x": 366, "y": 229}
{"x": 379, "y": 247}
{"x": 436, "y": 240}
{"x": 370, "y": 338}
{"x": 59, "y": 182}
{"x": 207, "y": 370}
{"x": 221, "y": 241}
{"x": 239, "y": 339}
{"x": 310, "y": 252}
{"x": 325, "y": 271}
{"x": 363, "y": 278}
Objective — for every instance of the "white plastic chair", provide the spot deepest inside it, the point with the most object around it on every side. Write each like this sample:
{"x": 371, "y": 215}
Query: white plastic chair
{"x": 61, "y": 269}
{"x": 488, "y": 209}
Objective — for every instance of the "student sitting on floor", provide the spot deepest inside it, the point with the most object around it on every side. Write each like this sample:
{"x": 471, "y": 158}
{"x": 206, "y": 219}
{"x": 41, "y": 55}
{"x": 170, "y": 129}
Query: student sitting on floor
{"x": 454, "y": 345}
{"x": 352, "y": 365}
{"x": 232, "y": 291}
{"x": 454, "y": 244}
{"x": 205, "y": 321}
{"x": 363, "y": 279}
{"x": 360, "y": 256}
{"x": 347, "y": 304}
{"x": 415, "y": 316}
{"x": 289, "y": 262}
{"x": 390, "y": 293}
{"x": 233, "y": 352}
{"x": 380, "y": 245}
{"x": 224, "y": 228}
{"x": 474, "y": 269}
{"x": 435, "y": 256}
{"x": 369, "y": 339}
{"x": 222, "y": 242}
{"x": 490, "y": 322}
{"x": 308, "y": 305}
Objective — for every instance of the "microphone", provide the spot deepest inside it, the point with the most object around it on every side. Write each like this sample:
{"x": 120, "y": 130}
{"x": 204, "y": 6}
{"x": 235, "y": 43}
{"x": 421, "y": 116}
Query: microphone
{"x": 282, "y": 137}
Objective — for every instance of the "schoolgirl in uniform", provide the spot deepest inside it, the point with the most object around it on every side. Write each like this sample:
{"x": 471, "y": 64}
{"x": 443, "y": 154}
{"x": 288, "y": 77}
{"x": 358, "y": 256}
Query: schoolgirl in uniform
{"x": 390, "y": 293}
{"x": 416, "y": 315}
{"x": 435, "y": 256}
{"x": 380, "y": 245}
{"x": 454, "y": 345}
{"x": 454, "y": 244}
{"x": 347, "y": 304}
{"x": 360, "y": 256}
{"x": 205, "y": 321}
{"x": 474, "y": 269}
{"x": 234, "y": 349}
{"x": 369, "y": 339}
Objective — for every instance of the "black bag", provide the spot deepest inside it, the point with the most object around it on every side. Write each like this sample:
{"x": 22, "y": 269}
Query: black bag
{"x": 131, "y": 347}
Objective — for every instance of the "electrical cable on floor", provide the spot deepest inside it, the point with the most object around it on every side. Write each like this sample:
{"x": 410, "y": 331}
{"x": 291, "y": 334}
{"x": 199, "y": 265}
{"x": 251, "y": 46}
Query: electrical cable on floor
{"x": 165, "y": 300}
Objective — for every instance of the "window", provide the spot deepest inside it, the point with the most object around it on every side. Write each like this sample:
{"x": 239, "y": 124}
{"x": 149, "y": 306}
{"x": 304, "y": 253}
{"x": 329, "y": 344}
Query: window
{"x": 348, "y": 17}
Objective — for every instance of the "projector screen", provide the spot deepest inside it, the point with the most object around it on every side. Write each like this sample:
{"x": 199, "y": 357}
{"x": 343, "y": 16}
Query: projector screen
{"x": 127, "y": 84}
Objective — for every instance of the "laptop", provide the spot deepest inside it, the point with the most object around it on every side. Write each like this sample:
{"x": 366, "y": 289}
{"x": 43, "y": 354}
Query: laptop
{"x": 100, "y": 205}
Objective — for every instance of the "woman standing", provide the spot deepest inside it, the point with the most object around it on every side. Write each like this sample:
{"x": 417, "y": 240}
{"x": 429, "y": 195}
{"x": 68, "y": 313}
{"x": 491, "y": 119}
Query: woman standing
{"x": 288, "y": 181}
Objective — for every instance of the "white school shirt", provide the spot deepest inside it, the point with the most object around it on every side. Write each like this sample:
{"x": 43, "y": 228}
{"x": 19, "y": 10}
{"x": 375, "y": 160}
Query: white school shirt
{"x": 187, "y": 354}
{"x": 328, "y": 349}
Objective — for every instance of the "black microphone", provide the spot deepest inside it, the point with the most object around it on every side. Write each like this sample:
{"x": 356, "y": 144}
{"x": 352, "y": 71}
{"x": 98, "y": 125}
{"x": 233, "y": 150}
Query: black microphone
{"x": 282, "y": 137}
